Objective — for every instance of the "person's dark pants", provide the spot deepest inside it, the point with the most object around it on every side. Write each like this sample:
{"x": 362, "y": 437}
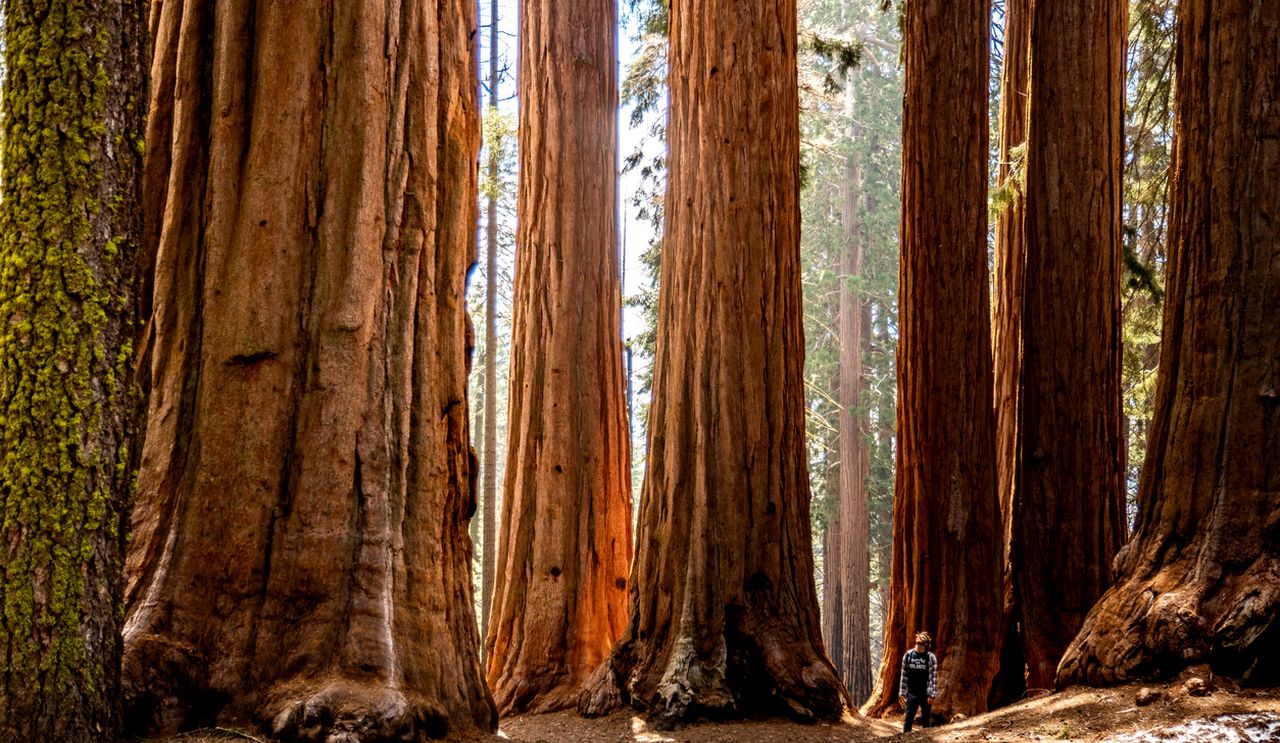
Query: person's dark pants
{"x": 914, "y": 702}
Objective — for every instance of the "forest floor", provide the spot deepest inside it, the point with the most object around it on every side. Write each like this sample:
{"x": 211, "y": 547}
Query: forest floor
{"x": 1178, "y": 714}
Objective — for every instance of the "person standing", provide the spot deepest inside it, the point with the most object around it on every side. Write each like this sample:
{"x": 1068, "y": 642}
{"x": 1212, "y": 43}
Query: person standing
{"x": 919, "y": 681}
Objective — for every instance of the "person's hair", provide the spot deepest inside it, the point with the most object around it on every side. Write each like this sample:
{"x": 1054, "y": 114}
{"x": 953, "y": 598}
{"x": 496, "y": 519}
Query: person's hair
{"x": 923, "y": 637}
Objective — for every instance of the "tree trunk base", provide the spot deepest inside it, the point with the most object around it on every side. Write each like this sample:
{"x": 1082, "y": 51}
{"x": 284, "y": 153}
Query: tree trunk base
{"x": 353, "y": 711}
{"x": 601, "y": 695}
{"x": 756, "y": 678}
{"x": 1156, "y": 627}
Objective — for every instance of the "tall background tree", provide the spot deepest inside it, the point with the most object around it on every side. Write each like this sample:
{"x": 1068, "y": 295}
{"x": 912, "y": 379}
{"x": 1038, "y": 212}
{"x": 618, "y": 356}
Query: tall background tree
{"x": 489, "y": 445}
{"x": 947, "y": 556}
{"x": 1196, "y": 583}
{"x": 724, "y": 615}
{"x": 69, "y": 308}
{"x": 300, "y": 555}
{"x": 560, "y": 601}
{"x": 851, "y": 97}
{"x": 1069, "y": 456}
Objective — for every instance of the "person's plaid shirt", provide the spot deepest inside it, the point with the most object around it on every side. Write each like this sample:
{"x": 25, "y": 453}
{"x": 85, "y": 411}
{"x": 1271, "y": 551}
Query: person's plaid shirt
{"x": 933, "y": 675}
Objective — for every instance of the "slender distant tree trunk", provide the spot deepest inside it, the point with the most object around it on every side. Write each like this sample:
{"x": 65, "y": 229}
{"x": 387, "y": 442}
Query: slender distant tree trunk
{"x": 1197, "y": 581}
{"x": 1010, "y": 263}
{"x": 566, "y": 514}
{"x": 833, "y": 592}
{"x": 946, "y": 517}
{"x": 69, "y": 290}
{"x": 1068, "y": 463}
{"x": 724, "y": 613}
{"x": 489, "y": 468}
{"x": 855, "y": 648}
{"x": 300, "y": 557}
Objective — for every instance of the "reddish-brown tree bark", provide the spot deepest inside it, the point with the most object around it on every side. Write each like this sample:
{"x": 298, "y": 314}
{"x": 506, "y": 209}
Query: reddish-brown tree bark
{"x": 855, "y": 559}
{"x": 300, "y": 555}
{"x": 1198, "y": 581}
{"x": 1010, "y": 262}
{"x": 833, "y": 591}
{"x": 560, "y": 600}
{"x": 1068, "y": 462}
{"x": 724, "y": 614}
{"x": 946, "y": 574}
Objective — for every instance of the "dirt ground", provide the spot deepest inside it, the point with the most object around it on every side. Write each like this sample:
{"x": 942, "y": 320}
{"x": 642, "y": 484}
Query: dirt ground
{"x": 1227, "y": 714}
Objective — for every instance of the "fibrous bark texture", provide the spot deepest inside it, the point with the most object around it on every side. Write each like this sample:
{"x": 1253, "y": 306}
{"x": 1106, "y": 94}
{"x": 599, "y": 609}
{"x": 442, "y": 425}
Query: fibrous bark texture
{"x": 724, "y": 613}
{"x": 1200, "y": 580}
{"x": 855, "y": 559}
{"x": 1069, "y": 458}
{"x": 833, "y": 591}
{"x": 1010, "y": 261}
{"x": 300, "y": 556}
{"x": 69, "y": 234}
{"x": 946, "y": 573}
{"x": 560, "y": 600}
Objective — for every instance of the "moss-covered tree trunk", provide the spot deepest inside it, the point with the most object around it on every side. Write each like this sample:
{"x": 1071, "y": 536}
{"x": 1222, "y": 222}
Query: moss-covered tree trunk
{"x": 560, "y": 599}
{"x": 69, "y": 234}
{"x": 1197, "y": 583}
{"x": 300, "y": 557}
{"x": 1068, "y": 462}
{"x": 724, "y": 613}
{"x": 947, "y": 553}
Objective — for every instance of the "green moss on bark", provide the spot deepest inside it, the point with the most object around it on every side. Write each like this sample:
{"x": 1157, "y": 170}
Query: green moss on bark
{"x": 68, "y": 227}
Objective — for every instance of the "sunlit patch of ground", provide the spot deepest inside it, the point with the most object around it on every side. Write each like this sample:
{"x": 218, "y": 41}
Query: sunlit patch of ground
{"x": 1227, "y": 714}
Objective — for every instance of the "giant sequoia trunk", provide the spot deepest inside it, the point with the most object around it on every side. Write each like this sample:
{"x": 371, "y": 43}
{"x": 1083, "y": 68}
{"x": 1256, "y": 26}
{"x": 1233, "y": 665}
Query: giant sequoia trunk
{"x": 69, "y": 235}
{"x": 560, "y": 601}
{"x": 1010, "y": 261}
{"x": 300, "y": 554}
{"x": 855, "y": 559}
{"x": 1068, "y": 462}
{"x": 946, "y": 519}
{"x": 1198, "y": 580}
{"x": 724, "y": 615}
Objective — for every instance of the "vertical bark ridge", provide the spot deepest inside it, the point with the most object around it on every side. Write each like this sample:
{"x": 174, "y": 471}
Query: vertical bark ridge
{"x": 855, "y": 565}
{"x": 1068, "y": 461}
{"x": 560, "y": 597}
{"x": 1197, "y": 582}
{"x": 724, "y": 614}
{"x": 299, "y": 556}
{"x": 947, "y": 546}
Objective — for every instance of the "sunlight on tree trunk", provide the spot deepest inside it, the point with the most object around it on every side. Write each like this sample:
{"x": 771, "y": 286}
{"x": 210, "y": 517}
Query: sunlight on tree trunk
{"x": 724, "y": 614}
{"x": 300, "y": 557}
{"x": 560, "y": 601}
